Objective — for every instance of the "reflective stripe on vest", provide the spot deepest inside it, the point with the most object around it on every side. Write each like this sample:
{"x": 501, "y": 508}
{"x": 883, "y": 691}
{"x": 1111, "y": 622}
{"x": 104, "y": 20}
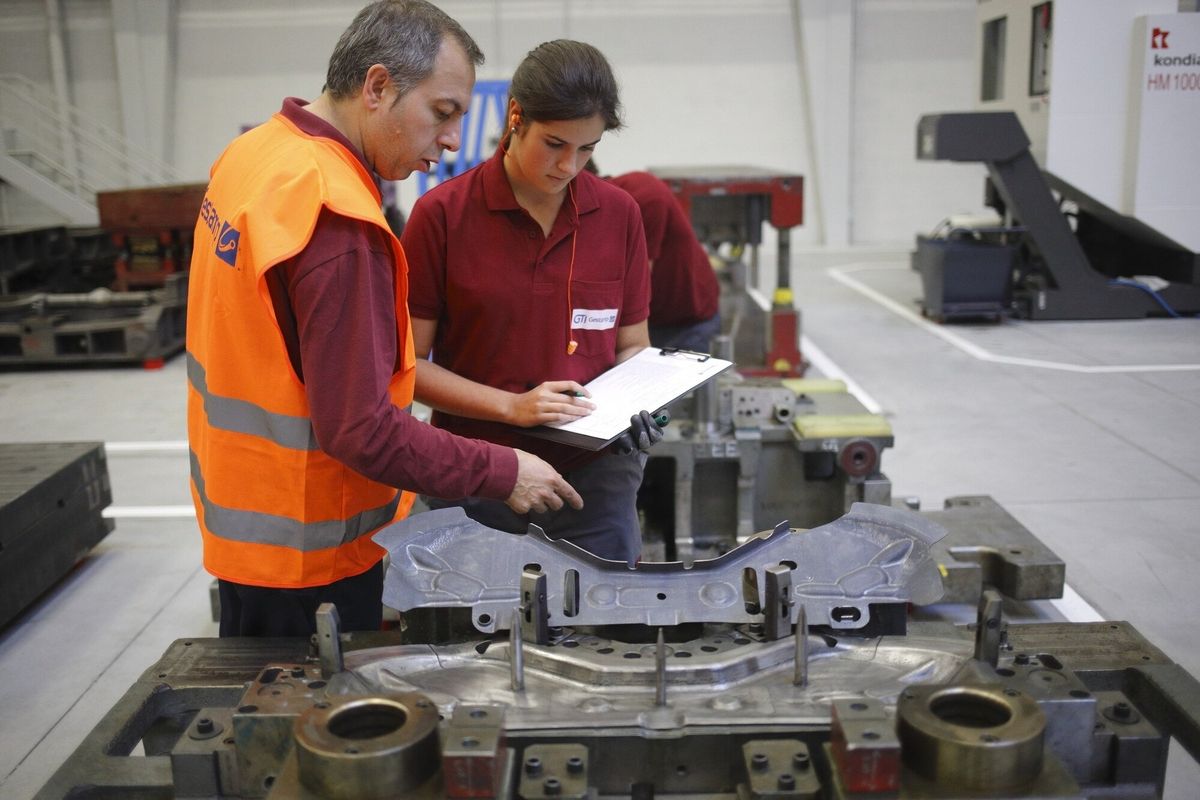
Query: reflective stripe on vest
{"x": 261, "y": 528}
{"x": 242, "y": 416}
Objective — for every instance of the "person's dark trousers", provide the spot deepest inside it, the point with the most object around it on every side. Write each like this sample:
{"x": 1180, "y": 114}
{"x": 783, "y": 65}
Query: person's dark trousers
{"x": 259, "y": 611}
{"x": 696, "y": 336}
{"x": 606, "y": 526}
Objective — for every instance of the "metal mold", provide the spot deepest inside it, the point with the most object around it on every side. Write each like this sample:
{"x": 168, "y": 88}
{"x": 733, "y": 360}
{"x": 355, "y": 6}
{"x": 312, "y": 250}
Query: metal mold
{"x": 874, "y": 554}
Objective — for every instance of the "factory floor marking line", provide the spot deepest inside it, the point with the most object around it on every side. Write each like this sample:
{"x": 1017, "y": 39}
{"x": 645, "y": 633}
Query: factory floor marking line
{"x": 974, "y": 350}
{"x": 826, "y": 366}
{"x": 176, "y": 446}
{"x": 149, "y": 512}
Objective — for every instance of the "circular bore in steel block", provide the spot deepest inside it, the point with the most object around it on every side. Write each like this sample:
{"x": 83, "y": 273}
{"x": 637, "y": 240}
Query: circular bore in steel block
{"x": 858, "y": 458}
{"x": 971, "y": 737}
{"x": 368, "y": 747}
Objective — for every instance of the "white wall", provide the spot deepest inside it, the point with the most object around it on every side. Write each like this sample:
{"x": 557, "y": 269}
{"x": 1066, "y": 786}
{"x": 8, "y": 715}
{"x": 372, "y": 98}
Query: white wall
{"x": 910, "y": 59}
{"x": 1090, "y": 83}
{"x": 1014, "y": 80}
{"x": 23, "y": 40}
{"x": 237, "y": 61}
{"x": 1162, "y": 167}
{"x": 91, "y": 58}
{"x": 704, "y": 82}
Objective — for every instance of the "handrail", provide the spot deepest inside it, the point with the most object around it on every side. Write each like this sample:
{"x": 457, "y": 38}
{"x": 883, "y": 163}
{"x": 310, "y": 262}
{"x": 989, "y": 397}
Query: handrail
{"x": 79, "y": 119}
{"x": 34, "y": 126}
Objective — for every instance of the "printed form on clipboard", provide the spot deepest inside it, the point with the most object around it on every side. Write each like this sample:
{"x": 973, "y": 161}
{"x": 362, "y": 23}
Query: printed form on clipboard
{"x": 648, "y": 381}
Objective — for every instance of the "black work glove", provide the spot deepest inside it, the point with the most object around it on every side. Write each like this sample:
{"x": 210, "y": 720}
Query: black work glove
{"x": 645, "y": 431}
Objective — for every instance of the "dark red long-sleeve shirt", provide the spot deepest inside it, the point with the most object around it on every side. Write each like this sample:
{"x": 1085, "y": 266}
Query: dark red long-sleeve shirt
{"x": 335, "y": 305}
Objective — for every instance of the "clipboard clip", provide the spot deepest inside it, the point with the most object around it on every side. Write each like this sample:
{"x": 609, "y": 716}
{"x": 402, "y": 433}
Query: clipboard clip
{"x": 679, "y": 351}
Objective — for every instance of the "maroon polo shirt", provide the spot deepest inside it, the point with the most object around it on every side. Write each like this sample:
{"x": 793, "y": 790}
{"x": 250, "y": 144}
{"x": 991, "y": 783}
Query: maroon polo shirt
{"x": 335, "y": 302}
{"x": 481, "y": 267}
{"x": 683, "y": 286}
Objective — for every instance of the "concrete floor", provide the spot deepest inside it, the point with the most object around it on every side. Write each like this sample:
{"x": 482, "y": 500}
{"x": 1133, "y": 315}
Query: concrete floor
{"x": 1088, "y": 433}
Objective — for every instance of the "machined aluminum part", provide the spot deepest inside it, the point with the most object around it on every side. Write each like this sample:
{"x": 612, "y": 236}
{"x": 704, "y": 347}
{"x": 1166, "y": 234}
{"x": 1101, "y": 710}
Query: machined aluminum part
{"x": 873, "y": 554}
{"x": 726, "y": 678}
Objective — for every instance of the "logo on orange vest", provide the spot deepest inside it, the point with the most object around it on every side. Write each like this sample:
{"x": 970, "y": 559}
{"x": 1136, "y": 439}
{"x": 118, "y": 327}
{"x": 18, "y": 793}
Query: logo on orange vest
{"x": 227, "y": 244}
{"x": 229, "y": 236}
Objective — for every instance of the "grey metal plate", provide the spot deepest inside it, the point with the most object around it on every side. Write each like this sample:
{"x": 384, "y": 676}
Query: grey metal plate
{"x": 34, "y": 478}
{"x": 985, "y": 545}
{"x": 873, "y": 554}
{"x": 51, "y": 499}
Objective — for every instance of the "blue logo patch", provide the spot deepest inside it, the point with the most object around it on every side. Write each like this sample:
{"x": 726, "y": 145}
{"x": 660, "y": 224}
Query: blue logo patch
{"x": 227, "y": 243}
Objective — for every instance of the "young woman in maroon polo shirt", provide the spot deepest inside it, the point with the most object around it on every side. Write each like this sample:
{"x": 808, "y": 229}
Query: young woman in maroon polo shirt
{"x": 528, "y": 278}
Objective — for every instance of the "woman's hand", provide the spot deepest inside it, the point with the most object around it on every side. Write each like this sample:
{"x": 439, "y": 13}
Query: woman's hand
{"x": 552, "y": 401}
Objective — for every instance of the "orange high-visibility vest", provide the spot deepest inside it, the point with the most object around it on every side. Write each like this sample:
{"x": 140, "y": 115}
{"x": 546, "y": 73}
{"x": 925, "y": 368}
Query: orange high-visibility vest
{"x": 274, "y": 510}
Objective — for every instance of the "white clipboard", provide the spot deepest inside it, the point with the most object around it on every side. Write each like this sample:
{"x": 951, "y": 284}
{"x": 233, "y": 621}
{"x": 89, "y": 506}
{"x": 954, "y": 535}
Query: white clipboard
{"x": 653, "y": 378}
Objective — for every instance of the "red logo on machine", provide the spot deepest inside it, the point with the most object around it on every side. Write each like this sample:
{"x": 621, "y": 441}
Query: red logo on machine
{"x": 1158, "y": 39}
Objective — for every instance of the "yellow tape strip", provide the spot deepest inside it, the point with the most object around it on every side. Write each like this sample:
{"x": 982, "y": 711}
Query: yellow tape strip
{"x": 834, "y": 426}
{"x": 815, "y": 385}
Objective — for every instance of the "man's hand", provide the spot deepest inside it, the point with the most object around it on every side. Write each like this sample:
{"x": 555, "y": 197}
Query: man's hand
{"x": 644, "y": 432}
{"x": 539, "y": 488}
{"x": 552, "y": 401}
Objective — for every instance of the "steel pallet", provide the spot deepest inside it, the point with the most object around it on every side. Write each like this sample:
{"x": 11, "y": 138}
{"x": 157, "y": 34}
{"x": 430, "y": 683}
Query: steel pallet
{"x": 99, "y": 327}
{"x": 51, "y": 501}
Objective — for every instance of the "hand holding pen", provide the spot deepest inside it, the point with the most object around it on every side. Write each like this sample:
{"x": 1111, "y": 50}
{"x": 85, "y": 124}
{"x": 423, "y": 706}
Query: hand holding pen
{"x": 551, "y": 401}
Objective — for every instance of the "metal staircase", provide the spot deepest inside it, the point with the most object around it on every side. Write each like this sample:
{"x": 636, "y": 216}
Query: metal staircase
{"x": 60, "y": 157}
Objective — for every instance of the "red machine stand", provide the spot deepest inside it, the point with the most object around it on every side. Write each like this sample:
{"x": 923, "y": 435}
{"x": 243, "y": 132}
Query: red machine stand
{"x": 728, "y": 205}
{"x": 783, "y": 357}
{"x": 151, "y": 228}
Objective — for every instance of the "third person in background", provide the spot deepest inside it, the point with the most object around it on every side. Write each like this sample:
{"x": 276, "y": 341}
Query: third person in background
{"x": 684, "y": 293}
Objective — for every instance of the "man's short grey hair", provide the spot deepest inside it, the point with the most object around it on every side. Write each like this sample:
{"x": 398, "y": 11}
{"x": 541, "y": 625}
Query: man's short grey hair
{"x": 402, "y": 35}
